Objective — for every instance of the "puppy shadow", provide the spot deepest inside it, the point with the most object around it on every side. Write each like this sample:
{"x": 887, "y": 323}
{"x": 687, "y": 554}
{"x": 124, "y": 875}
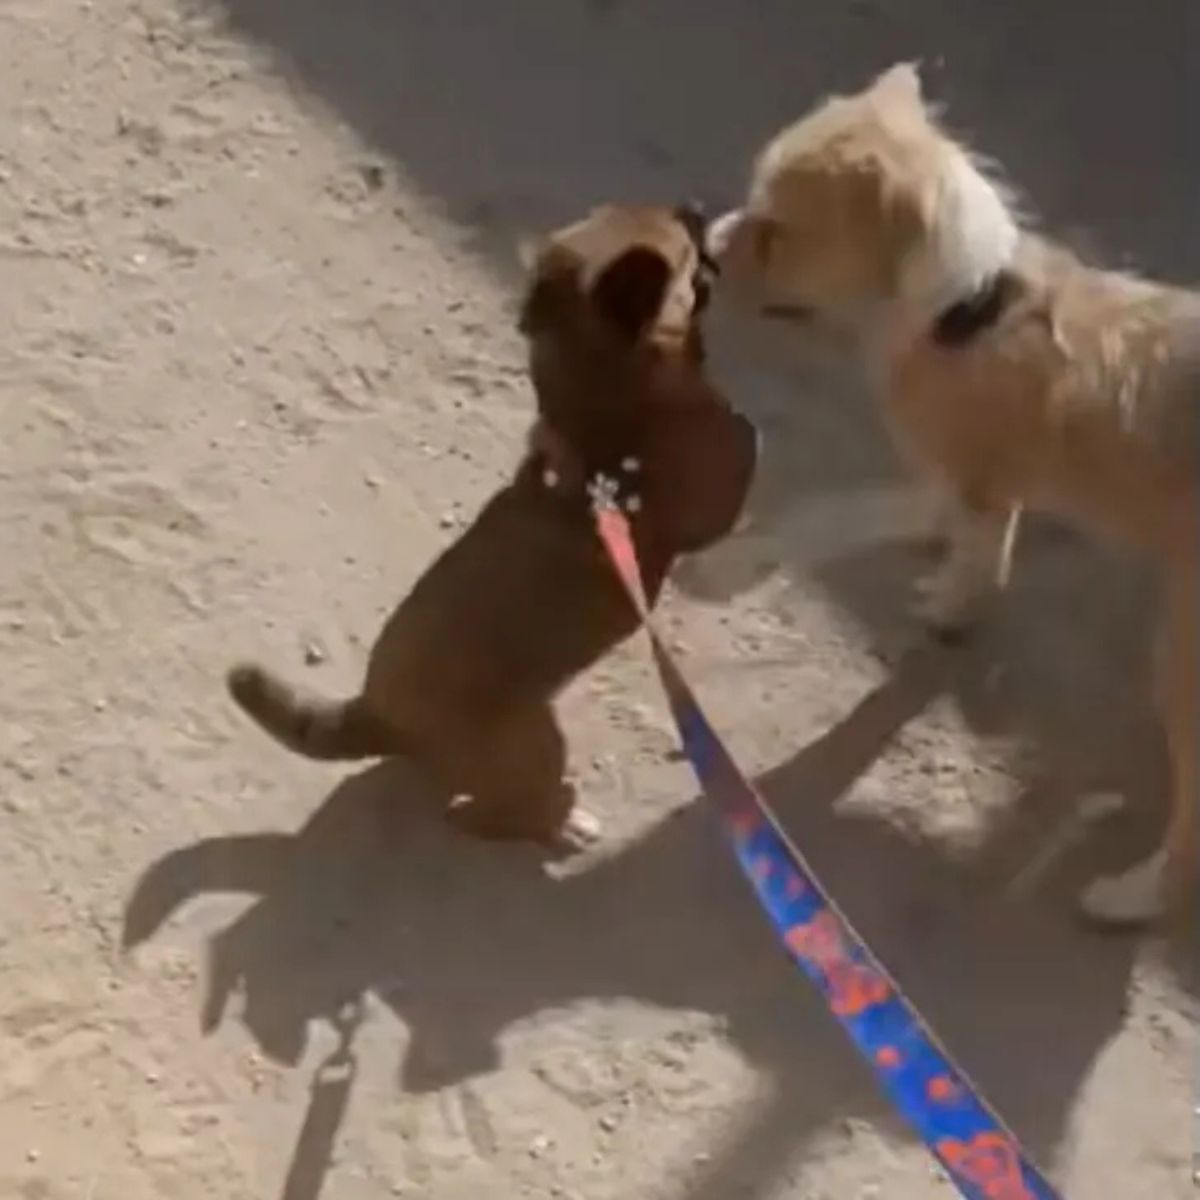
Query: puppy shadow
{"x": 375, "y": 896}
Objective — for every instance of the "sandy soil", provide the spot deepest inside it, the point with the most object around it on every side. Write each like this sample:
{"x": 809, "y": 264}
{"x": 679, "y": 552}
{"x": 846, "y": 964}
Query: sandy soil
{"x": 256, "y": 363}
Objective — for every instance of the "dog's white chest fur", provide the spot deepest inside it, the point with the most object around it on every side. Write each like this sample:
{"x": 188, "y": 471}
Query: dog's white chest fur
{"x": 973, "y": 236}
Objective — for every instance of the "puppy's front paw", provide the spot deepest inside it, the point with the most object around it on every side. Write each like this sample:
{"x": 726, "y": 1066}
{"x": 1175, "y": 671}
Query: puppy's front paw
{"x": 1134, "y": 898}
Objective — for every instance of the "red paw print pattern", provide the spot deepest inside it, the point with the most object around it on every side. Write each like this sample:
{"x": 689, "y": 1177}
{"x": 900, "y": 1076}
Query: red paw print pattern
{"x": 990, "y": 1162}
{"x": 853, "y": 987}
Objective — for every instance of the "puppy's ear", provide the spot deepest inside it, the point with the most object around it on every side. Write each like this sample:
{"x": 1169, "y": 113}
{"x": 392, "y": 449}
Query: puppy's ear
{"x": 630, "y": 291}
{"x": 900, "y": 84}
{"x": 552, "y": 292}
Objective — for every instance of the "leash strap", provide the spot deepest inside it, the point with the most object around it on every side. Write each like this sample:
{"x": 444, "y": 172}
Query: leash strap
{"x": 964, "y": 1134}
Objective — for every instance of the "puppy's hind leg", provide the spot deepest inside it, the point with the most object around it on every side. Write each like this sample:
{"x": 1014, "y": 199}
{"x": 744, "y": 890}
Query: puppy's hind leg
{"x": 512, "y": 772}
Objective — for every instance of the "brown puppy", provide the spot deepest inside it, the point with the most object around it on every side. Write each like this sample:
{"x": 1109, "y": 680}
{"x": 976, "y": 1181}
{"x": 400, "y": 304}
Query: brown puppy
{"x": 1013, "y": 375}
{"x": 463, "y": 675}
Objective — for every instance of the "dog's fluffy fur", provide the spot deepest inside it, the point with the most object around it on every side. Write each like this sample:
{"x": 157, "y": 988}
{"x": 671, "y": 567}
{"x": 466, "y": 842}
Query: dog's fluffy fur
{"x": 463, "y": 675}
{"x": 1082, "y": 397}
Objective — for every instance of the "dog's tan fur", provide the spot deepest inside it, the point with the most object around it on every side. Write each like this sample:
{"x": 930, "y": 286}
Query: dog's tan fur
{"x": 1083, "y": 398}
{"x": 463, "y": 675}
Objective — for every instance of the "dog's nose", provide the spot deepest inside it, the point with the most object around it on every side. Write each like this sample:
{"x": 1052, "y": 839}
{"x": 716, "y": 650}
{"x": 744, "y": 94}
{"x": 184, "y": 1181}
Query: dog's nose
{"x": 690, "y": 215}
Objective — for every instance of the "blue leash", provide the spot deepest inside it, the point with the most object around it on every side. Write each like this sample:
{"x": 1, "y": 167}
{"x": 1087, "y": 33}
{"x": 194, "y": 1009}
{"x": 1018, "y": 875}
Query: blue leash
{"x": 981, "y": 1156}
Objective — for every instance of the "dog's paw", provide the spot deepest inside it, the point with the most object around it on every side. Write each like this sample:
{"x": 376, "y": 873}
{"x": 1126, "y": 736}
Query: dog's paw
{"x": 1134, "y": 898}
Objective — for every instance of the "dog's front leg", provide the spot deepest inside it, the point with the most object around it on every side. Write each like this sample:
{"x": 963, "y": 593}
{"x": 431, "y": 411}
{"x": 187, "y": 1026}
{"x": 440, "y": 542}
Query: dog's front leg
{"x": 951, "y": 599}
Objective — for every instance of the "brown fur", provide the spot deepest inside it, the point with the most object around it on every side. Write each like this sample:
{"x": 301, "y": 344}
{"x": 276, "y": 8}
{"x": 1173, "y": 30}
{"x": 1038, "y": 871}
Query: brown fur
{"x": 463, "y": 675}
{"x": 1082, "y": 399}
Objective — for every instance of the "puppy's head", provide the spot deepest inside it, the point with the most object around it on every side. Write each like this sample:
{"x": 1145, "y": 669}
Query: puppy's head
{"x": 611, "y": 300}
{"x": 862, "y": 204}
{"x": 621, "y": 283}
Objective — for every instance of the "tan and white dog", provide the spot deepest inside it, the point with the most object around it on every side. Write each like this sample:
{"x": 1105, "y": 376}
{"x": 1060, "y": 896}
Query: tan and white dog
{"x": 1013, "y": 375}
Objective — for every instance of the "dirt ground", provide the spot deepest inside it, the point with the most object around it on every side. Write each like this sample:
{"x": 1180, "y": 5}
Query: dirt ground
{"x": 256, "y": 364}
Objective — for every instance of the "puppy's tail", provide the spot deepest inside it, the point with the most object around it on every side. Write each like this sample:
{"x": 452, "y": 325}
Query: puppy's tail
{"x": 316, "y": 728}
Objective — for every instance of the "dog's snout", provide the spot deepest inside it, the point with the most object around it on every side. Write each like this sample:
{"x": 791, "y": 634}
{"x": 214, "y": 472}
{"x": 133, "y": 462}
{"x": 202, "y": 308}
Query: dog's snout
{"x": 690, "y": 215}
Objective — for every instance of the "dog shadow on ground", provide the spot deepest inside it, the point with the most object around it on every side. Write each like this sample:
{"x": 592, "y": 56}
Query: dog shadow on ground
{"x": 373, "y": 895}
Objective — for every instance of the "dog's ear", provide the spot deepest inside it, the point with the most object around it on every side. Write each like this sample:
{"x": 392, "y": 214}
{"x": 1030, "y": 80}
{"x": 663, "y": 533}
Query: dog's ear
{"x": 552, "y": 292}
{"x": 900, "y": 84}
{"x": 630, "y": 291}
